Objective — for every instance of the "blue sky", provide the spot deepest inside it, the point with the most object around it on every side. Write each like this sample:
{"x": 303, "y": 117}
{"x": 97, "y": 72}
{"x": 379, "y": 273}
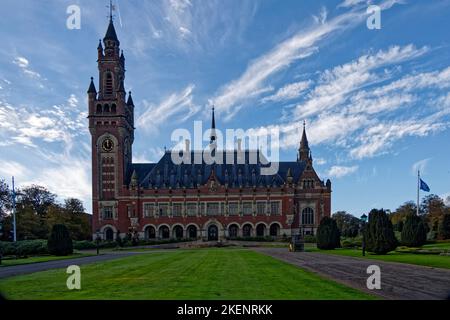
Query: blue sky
{"x": 376, "y": 102}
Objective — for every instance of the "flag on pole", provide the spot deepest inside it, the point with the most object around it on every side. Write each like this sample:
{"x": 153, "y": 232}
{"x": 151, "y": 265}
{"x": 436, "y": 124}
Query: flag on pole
{"x": 424, "y": 186}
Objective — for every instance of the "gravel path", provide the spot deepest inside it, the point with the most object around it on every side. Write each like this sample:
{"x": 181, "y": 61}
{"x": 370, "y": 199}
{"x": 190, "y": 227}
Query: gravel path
{"x": 398, "y": 280}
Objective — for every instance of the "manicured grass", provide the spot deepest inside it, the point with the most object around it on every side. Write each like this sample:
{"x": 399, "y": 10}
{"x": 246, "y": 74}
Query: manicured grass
{"x": 438, "y": 245}
{"x": 15, "y": 262}
{"x": 183, "y": 274}
{"x": 429, "y": 260}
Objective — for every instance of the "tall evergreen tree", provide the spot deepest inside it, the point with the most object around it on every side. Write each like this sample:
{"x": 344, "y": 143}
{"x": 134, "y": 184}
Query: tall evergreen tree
{"x": 379, "y": 233}
{"x": 60, "y": 243}
{"x": 328, "y": 236}
{"x": 414, "y": 233}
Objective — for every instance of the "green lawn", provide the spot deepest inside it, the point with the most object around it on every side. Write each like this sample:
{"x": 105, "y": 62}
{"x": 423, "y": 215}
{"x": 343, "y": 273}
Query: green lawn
{"x": 15, "y": 262}
{"x": 183, "y": 274}
{"x": 429, "y": 260}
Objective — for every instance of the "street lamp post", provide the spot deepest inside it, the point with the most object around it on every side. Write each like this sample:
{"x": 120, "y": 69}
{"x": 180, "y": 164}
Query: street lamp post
{"x": 97, "y": 241}
{"x": 363, "y": 231}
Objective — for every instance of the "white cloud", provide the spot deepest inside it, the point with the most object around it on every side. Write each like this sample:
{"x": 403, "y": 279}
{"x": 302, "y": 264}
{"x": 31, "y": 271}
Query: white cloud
{"x": 289, "y": 91}
{"x": 336, "y": 85}
{"x": 420, "y": 165}
{"x": 341, "y": 171}
{"x": 178, "y": 104}
{"x": 232, "y": 96}
{"x": 13, "y": 168}
{"x": 351, "y": 3}
{"x": 24, "y": 64}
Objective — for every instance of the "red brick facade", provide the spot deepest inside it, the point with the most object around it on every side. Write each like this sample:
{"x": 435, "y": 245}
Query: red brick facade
{"x": 164, "y": 200}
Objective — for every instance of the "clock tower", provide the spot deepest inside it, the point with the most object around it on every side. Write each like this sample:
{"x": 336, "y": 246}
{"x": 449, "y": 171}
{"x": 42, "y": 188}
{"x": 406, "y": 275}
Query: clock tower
{"x": 111, "y": 124}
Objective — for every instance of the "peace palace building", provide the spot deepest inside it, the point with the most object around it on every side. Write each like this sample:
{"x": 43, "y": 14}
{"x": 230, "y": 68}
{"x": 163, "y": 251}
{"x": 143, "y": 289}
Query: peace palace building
{"x": 189, "y": 201}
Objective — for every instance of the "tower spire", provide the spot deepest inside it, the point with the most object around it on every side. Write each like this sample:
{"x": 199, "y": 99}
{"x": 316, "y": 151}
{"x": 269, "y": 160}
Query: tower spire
{"x": 304, "y": 151}
{"x": 213, "y": 128}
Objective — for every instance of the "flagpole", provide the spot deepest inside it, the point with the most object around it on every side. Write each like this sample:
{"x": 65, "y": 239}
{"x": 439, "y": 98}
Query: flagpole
{"x": 14, "y": 210}
{"x": 418, "y": 190}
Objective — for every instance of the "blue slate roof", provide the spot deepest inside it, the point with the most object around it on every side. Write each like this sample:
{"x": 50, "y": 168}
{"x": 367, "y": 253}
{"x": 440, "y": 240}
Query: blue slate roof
{"x": 244, "y": 173}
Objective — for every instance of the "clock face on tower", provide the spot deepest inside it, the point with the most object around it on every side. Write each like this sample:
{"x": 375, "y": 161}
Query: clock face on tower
{"x": 107, "y": 145}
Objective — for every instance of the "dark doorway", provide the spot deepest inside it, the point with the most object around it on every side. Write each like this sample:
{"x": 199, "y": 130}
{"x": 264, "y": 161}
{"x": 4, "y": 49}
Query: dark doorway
{"x": 109, "y": 234}
{"x": 260, "y": 230}
{"x": 192, "y": 232}
{"x": 274, "y": 230}
{"x": 233, "y": 231}
{"x": 150, "y": 233}
{"x": 247, "y": 231}
{"x": 178, "y": 232}
{"x": 213, "y": 233}
{"x": 164, "y": 232}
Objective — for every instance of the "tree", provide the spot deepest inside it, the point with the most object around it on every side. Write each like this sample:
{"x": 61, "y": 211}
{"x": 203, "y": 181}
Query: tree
{"x": 60, "y": 242}
{"x": 398, "y": 217}
{"x": 434, "y": 208}
{"x": 74, "y": 206}
{"x": 38, "y": 197}
{"x": 347, "y": 224}
{"x": 328, "y": 236}
{"x": 5, "y": 199}
{"x": 444, "y": 227}
{"x": 414, "y": 233}
{"x": 379, "y": 233}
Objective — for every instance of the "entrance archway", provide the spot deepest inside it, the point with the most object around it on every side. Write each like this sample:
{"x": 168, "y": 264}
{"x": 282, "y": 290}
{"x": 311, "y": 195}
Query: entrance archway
{"x": 213, "y": 233}
{"x": 247, "y": 231}
{"x": 150, "y": 233}
{"x": 109, "y": 234}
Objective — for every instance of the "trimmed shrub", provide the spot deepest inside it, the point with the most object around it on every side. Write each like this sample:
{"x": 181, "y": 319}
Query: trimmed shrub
{"x": 60, "y": 243}
{"x": 24, "y": 248}
{"x": 310, "y": 238}
{"x": 444, "y": 227}
{"x": 413, "y": 233}
{"x": 379, "y": 233}
{"x": 328, "y": 236}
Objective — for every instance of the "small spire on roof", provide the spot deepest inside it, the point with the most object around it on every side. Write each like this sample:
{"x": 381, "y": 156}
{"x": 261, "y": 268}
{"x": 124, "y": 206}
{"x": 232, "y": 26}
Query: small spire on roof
{"x": 92, "y": 87}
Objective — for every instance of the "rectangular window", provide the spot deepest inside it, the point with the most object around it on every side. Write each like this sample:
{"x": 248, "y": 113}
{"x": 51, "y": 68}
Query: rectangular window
{"x": 163, "y": 209}
{"x": 177, "y": 209}
{"x": 261, "y": 208}
{"x": 149, "y": 210}
{"x": 275, "y": 208}
{"x": 191, "y": 209}
{"x": 233, "y": 208}
{"x": 212, "y": 209}
{"x": 107, "y": 213}
{"x": 247, "y": 208}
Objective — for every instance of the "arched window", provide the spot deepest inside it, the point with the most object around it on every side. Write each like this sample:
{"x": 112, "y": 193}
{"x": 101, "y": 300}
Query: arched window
{"x": 106, "y": 108}
{"x": 164, "y": 232}
{"x": 150, "y": 233}
{"x": 113, "y": 109}
{"x": 99, "y": 108}
{"x": 178, "y": 232}
{"x": 233, "y": 231}
{"x": 274, "y": 230}
{"x": 109, "y": 83}
{"x": 192, "y": 232}
{"x": 247, "y": 231}
{"x": 260, "y": 230}
{"x": 308, "y": 216}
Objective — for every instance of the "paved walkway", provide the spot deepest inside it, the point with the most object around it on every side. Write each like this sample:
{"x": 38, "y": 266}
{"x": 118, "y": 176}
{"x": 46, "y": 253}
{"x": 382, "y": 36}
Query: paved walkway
{"x": 11, "y": 271}
{"x": 398, "y": 280}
